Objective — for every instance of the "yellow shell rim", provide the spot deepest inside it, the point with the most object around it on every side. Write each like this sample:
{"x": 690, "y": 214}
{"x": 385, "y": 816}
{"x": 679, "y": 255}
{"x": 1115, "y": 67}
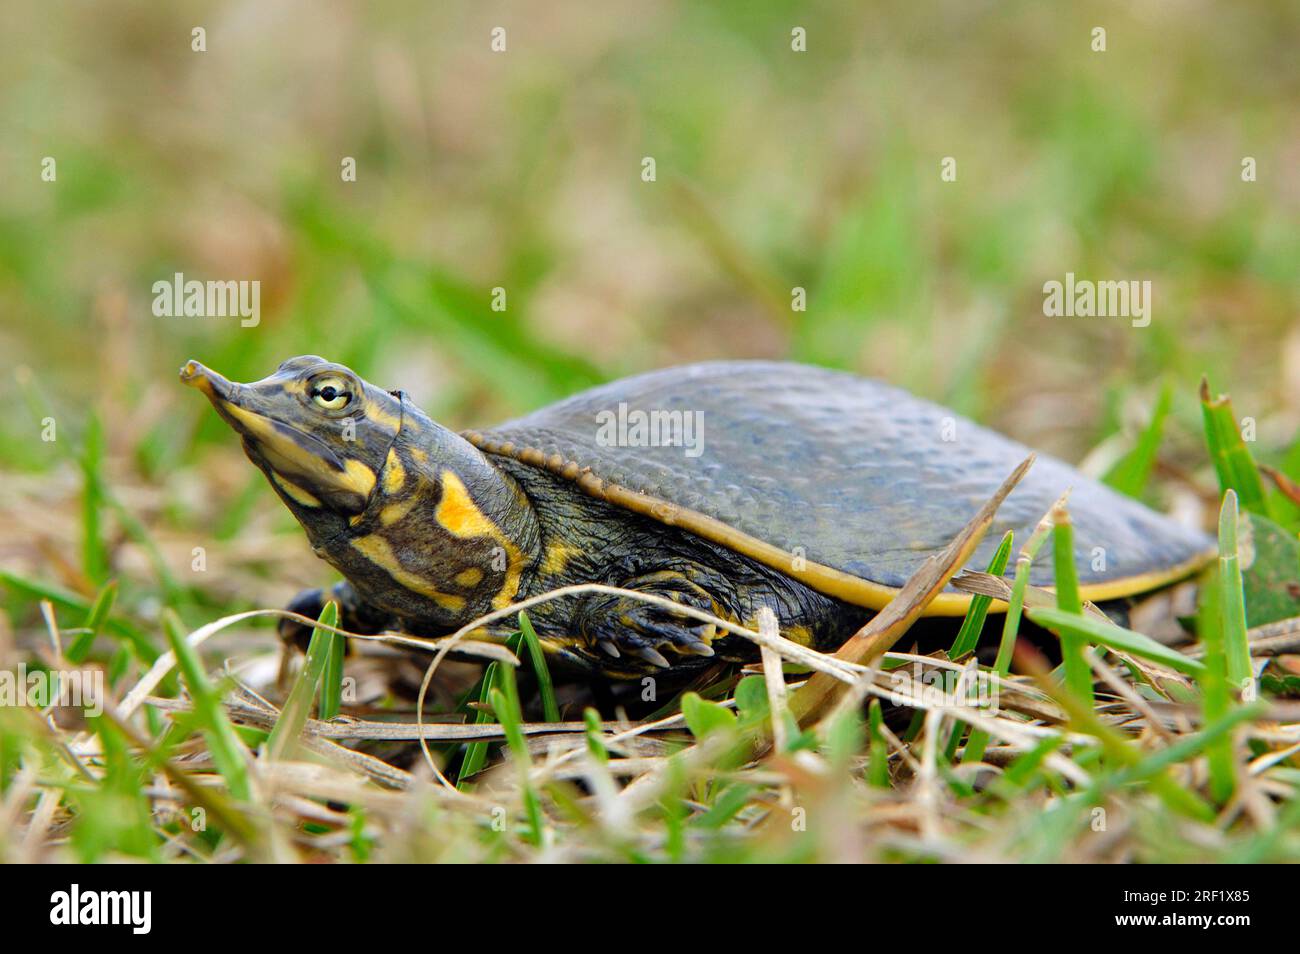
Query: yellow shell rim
{"x": 824, "y": 579}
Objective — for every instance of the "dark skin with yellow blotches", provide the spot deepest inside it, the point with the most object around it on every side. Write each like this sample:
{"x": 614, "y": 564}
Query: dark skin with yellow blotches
{"x": 430, "y": 533}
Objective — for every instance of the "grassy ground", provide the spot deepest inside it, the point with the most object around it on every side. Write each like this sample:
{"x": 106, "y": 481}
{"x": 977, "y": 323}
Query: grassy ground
{"x": 522, "y": 170}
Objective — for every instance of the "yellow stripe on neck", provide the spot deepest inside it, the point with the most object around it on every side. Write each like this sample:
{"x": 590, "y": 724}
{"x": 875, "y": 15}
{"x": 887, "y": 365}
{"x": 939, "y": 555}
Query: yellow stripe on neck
{"x": 294, "y": 492}
{"x": 460, "y": 516}
{"x": 379, "y": 552}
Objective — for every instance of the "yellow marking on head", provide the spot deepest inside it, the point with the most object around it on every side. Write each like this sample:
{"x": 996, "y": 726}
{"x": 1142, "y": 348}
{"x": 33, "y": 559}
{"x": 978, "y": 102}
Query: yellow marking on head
{"x": 557, "y": 557}
{"x": 359, "y": 477}
{"x": 379, "y": 552}
{"x": 467, "y": 578}
{"x": 394, "y": 473}
{"x": 419, "y": 455}
{"x": 264, "y": 430}
{"x": 376, "y": 412}
{"x": 393, "y": 512}
{"x": 285, "y": 451}
{"x": 294, "y": 492}
{"x": 460, "y": 516}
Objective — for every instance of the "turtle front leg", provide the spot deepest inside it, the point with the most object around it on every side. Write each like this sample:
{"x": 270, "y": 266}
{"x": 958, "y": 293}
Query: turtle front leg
{"x": 623, "y": 625}
{"x": 354, "y": 615}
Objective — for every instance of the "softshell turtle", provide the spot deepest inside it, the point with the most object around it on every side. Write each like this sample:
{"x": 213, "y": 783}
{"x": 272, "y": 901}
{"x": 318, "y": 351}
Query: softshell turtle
{"x": 727, "y": 486}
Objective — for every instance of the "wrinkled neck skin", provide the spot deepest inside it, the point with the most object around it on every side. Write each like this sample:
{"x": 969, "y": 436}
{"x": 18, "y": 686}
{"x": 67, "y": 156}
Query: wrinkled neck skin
{"x": 444, "y": 538}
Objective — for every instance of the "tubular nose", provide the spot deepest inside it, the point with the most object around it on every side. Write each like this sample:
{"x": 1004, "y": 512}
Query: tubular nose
{"x": 205, "y": 379}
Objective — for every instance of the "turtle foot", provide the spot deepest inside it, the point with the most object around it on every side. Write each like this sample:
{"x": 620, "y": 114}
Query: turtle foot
{"x": 623, "y": 627}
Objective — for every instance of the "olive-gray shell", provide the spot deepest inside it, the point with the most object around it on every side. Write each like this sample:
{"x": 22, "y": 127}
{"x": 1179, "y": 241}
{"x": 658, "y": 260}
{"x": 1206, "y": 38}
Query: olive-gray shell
{"x": 845, "y": 471}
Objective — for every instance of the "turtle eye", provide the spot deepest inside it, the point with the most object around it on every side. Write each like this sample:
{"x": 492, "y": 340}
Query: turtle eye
{"x": 330, "y": 393}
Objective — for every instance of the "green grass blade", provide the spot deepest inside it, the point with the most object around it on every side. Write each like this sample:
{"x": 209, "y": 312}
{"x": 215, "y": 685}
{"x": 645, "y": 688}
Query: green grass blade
{"x": 215, "y": 803}
{"x": 595, "y": 736}
{"x": 1019, "y": 772}
{"x": 878, "y": 766}
{"x": 94, "y": 554}
{"x": 545, "y": 688}
{"x": 98, "y": 494}
{"x": 704, "y": 717}
{"x": 476, "y": 753}
{"x": 954, "y": 740}
{"x": 139, "y": 642}
{"x": 1078, "y": 675}
{"x": 284, "y": 736}
{"x": 1189, "y": 746}
{"x": 725, "y": 807}
{"x": 979, "y": 740}
{"x": 113, "y": 817}
{"x": 844, "y": 737}
{"x": 36, "y": 590}
{"x": 913, "y": 730}
{"x": 505, "y": 703}
{"x": 1232, "y": 460}
{"x": 1093, "y": 630}
{"x": 973, "y": 625}
{"x": 331, "y": 680}
{"x": 223, "y": 744}
{"x": 1131, "y": 472}
{"x": 95, "y": 618}
{"x": 1011, "y": 623}
{"x": 1216, "y": 701}
{"x": 1119, "y": 750}
{"x": 1232, "y": 604}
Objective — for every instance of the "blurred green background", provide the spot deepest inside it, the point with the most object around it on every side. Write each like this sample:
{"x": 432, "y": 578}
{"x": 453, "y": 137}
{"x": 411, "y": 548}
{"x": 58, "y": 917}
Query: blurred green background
{"x": 522, "y": 170}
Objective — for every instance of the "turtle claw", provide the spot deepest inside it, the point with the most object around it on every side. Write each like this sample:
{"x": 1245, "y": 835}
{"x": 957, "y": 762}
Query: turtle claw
{"x": 652, "y": 656}
{"x": 697, "y": 647}
{"x": 623, "y": 626}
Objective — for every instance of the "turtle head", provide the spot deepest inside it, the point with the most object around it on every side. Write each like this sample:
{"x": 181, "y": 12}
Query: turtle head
{"x": 317, "y": 430}
{"x": 420, "y": 522}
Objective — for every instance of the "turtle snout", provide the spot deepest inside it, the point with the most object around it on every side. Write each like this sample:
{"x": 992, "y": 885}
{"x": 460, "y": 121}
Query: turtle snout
{"x": 206, "y": 380}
